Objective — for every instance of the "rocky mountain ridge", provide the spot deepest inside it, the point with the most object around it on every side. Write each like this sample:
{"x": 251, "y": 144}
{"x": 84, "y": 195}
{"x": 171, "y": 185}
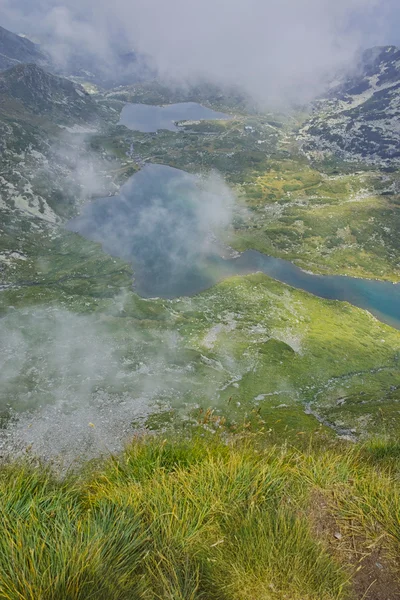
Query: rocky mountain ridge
{"x": 359, "y": 119}
{"x": 15, "y": 49}
{"x": 47, "y": 166}
{"x": 121, "y": 66}
{"x": 38, "y": 92}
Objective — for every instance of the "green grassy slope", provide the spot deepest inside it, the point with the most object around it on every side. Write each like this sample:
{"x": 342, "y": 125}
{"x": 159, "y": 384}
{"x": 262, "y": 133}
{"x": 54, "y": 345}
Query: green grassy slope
{"x": 251, "y": 349}
{"x": 341, "y": 223}
{"x": 231, "y": 519}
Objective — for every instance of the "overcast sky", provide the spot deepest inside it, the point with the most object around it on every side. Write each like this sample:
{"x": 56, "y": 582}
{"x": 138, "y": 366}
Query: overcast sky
{"x": 274, "y": 48}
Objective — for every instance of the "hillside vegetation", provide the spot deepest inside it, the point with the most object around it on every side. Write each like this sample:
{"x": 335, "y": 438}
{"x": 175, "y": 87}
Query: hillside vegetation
{"x": 255, "y": 350}
{"x": 206, "y": 518}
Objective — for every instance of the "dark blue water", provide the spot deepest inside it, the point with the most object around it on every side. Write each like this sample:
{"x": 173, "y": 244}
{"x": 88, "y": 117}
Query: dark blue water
{"x": 154, "y": 224}
{"x": 147, "y": 118}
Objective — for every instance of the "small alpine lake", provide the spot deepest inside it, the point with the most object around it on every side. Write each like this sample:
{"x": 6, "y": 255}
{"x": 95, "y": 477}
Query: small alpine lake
{"x": 149, "y": 119}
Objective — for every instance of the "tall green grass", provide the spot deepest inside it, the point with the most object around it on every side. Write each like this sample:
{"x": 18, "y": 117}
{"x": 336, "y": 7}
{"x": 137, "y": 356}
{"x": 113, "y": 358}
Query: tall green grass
{"x": 207, "y": 518}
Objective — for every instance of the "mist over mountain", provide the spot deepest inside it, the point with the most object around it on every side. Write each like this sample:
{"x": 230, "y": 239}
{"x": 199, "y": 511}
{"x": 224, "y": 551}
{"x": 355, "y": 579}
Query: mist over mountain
{"x": 279, "y": 52}
{"x": 120, "y": 65}
{"x": 15, "y": 49}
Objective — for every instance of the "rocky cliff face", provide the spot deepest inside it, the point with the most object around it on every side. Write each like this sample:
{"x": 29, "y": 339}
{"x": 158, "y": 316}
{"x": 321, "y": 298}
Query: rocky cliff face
{"x": 45, "y": 159}
{"x": 359, "y": 119}
{"x": 40, "y": 93}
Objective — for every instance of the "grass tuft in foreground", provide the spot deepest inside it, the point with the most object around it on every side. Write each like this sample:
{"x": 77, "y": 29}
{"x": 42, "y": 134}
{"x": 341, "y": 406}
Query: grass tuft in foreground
{"x": 206, "y": 518}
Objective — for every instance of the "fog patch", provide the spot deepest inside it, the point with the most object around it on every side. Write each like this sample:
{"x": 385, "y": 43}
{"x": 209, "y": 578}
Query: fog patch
{"x": 76, "y": 385}
{"x": 278, "y": 51}
{"x": 82, "y": 171}
{"x": 165, "y": 221}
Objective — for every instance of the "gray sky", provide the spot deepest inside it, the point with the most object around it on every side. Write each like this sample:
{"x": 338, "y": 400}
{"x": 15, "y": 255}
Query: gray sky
{"x": 276, "y": 49}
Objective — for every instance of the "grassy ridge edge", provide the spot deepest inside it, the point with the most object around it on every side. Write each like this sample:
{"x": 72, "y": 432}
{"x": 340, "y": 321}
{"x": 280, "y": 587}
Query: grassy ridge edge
{"x": 207, "y": 517}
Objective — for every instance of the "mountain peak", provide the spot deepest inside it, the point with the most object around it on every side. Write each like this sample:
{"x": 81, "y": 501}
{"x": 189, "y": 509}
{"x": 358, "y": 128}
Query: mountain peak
{"x": 359, "y": 118}
{"x": 16, "y": 49}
